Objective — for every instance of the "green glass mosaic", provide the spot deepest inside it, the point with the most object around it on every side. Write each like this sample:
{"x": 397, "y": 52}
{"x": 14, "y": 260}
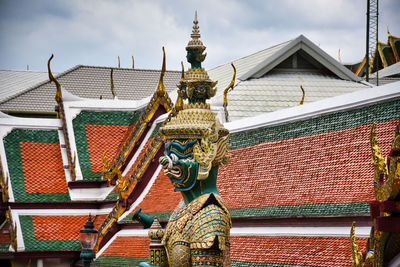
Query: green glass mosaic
{"x": 303, "y": 210}
{"x": 14, "y": 160}
{"x": 161, "y": 216}
{"x": 4, "y": 247}
{"x": 283, "y": 211}
{"x": 333, "y": 122}
{"x": 156, "y": 130}
{"x": 253, "y": 264}
{"x": 112, "y": 196}
{"x": 31, "y": 243}
{"x": 97, "y": 118}
{"x": 117, "y": 261}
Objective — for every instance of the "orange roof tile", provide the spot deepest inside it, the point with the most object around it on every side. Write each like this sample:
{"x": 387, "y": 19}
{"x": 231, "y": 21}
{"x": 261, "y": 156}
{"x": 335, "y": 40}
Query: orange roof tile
{"x": 333, "y": 167}
{"x": 129, "y": 173}
{"x": 129, "y": 246}
{"x": 43, "y": 168}
{"x": 5, "y": 235}
{"x": 161, "y": 196}
{"x": 104, "y": 138}
{"x": 310, "y": 251}
{"x": 61, "y": 227}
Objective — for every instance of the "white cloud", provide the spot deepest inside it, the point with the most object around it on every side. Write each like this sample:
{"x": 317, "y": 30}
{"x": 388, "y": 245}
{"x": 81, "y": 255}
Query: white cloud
{"x": 96, "y": 32}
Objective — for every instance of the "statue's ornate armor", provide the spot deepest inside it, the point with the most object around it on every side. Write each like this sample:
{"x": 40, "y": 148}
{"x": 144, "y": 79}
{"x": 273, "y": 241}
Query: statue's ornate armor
{"x": 198, "y": 230}
{"x": 198, "y": 233}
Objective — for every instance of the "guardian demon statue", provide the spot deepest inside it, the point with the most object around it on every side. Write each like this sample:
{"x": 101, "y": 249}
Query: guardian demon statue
{"x": 198, "y": 230}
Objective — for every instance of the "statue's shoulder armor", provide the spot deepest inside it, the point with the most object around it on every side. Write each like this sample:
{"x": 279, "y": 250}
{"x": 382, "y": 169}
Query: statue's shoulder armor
{"x": 210, "y": 223}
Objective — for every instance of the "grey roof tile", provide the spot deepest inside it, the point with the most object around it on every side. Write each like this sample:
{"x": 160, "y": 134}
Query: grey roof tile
{"x": 92, "y": 82}
{"x": 13, "y": 82}
{"x": 279, "y": 90}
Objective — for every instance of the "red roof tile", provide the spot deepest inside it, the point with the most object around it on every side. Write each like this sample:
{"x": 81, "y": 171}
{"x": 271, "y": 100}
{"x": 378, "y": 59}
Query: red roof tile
{"x": 43, "y": 168}
{"x": 314, "y": 251}
{"x": 61, "y": 227}
{"x": 129, "y": 246}
{"x": 5, "y": 235}
{"x": 104, "y": 138}
{"x": 129, "y": 173}
{"x": 161, "y": 196}
{"x": 333, "y": 167}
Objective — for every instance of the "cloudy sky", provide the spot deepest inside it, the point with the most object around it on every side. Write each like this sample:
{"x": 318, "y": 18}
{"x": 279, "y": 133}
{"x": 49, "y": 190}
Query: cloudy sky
{"x": 95, "y": 32}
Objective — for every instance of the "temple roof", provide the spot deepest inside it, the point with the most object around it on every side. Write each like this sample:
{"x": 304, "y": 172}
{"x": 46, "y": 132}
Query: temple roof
{"x": 91, "y": 82}
{"x": 13, "y": 82}
{"x": 270, "y": 80}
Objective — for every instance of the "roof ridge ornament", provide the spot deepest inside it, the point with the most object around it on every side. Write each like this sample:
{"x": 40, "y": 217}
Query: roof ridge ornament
{"x": 58, "y": 96}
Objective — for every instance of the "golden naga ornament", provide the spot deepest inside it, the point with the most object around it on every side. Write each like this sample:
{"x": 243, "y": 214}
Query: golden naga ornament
{"x": 198, "y": 231}
{"x": 385, "y": 210}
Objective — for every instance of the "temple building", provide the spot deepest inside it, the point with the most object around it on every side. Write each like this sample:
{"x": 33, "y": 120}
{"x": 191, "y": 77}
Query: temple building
{"x": 297, "y": 179}
{"x": 385, "y": 55}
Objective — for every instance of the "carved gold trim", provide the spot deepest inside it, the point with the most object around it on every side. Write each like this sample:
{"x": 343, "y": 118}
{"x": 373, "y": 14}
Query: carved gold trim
{"x": 126, "y": 186}
{"x": 13, "y": 230}
{"x": 61, "y": 116}
{"x": 387, "y": 178}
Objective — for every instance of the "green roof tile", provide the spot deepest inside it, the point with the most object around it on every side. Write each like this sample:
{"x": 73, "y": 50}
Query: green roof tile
{"x": 97, "y": 118}
{"x": 14, "y": 160}
{"x": 333, "y": 122}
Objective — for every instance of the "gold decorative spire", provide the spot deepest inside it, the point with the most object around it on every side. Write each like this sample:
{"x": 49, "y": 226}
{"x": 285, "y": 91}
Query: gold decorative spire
{"x": 161, "y": 87}
{"x": 304, "y": 94}
{"x": 340, "y": 60}
{"x": 227, "y": 89}
{"x": 52, "y": 79}
{"x": 112, "y": 84}
{"x": 133, "y": 63}
{"x": 119, "y": 63}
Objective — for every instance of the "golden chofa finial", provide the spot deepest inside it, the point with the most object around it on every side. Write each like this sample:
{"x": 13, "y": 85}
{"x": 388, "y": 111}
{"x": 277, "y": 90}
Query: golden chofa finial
{"x": 133, "y": 63}
{"x": 340, "y": 60}
{"x": 161, "y": 87}
{"x": 227, "y": 89}
{"x": 183, "y": 70}
{"x": 304, "y": 94}
{"x": 52, "y": 79}
{"x": 388, "y": 32}
{"x": 112, "y": 84}
{"x": 119, "y": 63}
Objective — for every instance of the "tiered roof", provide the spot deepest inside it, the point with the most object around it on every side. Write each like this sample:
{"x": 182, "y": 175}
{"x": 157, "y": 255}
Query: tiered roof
{"x": 90, "y": 82}
{"x": 271, "y": 79}
{"x": 385, "y": 55}
{"x": 294, "y": 169}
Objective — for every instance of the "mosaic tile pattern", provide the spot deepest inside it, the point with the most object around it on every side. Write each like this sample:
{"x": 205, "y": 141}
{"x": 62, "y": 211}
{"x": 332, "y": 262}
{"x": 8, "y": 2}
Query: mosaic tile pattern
{"x": 325, "y": 168}
{"x": 99, "y": 132}
{"x": 54, "y": 232}
{"x": 129, "y": 246}
{"x": 323, "y": 124}
{"x": 302, "y": 251}
{"x": 52, "y": 180}
{"x": 35, "y": 165}
{"x": 118, "y": 261}
{"x": 249, "y": 251}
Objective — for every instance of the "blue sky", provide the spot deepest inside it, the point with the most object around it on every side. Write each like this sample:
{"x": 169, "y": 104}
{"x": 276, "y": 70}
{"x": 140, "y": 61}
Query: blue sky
{"x": 95, "y": 32}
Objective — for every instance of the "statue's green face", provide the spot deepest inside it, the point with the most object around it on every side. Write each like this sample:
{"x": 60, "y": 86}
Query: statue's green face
{"x": 191, "y": 56}
{"x": 179, "y": 164}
